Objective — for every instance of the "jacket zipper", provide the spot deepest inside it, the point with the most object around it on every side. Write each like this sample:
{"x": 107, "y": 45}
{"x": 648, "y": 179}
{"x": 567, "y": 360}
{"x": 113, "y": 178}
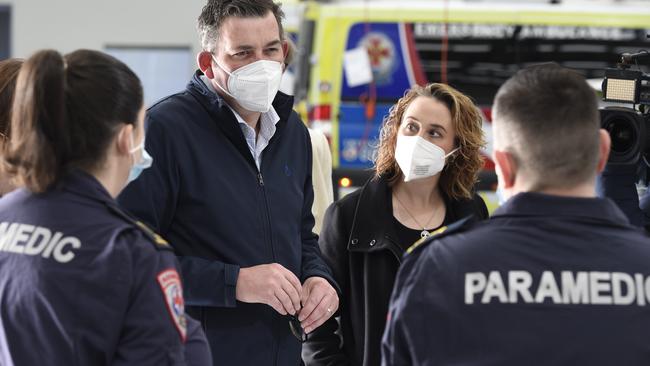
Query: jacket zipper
{"x": 267, "y": 214}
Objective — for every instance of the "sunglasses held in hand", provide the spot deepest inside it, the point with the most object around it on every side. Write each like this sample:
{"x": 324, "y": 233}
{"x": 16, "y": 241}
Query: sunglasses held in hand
{"x": 296, "y": 329}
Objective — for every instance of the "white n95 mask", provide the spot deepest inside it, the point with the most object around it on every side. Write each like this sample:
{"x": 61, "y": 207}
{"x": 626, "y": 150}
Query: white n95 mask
{"x": 419, "y": 158}
{"x": 255, "y": 85}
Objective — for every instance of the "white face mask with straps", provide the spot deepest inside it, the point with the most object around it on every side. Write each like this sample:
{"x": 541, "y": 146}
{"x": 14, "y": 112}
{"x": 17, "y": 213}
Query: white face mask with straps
{"x": 419, "y": 158}
{"x": 255, "y": 85}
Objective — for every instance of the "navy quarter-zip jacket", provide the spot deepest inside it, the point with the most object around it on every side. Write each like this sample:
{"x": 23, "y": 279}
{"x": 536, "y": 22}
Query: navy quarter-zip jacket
{"x": 205, "y": 195}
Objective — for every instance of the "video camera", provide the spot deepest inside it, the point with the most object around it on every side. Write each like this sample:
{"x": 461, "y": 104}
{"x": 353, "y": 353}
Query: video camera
{"x": 629, "y": 127}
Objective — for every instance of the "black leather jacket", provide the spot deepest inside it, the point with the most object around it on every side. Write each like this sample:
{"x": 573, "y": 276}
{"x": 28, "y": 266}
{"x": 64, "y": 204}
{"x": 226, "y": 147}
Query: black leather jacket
{"x": 359, "y": 242}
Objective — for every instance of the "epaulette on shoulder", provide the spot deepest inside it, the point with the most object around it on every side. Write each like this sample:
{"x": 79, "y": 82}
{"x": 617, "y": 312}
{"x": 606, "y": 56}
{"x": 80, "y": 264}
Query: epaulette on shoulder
{"x": 155, "y": 237}
{"x": 456, "y": 227}
{"x": 158, "y": 240}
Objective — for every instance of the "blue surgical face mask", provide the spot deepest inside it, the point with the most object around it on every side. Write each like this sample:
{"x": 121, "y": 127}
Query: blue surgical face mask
{"x": 143, "y": 163}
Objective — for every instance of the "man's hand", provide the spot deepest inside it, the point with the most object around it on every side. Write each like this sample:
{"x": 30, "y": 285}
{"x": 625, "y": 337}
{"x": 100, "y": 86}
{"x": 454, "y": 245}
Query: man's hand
{"x": 320, "y": 302}
{"x": 270, "y": 284}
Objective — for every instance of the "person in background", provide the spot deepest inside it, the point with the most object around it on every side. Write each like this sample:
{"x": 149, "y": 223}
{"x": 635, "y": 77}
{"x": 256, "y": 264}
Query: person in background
{"x": 98, "y": 286}
{"x": 8, "y": 75}
{"x": 321, "y": 177}
{"x": 231, "y": 188}
{"x": 557, "y": 276}
{"x": 618, "y": 183}
{"x": 428, "y": 162}
{"x": 321, "y": 171}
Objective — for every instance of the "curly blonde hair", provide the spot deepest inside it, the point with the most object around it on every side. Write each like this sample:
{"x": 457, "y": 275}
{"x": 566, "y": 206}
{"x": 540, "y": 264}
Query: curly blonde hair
{"x": 461, "y": 171}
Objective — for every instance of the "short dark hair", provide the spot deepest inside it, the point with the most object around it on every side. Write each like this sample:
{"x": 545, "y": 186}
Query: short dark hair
{"x": 548, "y": 119}
{"x": 8, "y": 75}
{"x": 66, "y": 111}
{"x": 215, "y": 12}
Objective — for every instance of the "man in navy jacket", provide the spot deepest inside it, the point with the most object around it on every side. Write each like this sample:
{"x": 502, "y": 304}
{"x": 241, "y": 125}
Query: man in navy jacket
{"x": 230, "y": 188}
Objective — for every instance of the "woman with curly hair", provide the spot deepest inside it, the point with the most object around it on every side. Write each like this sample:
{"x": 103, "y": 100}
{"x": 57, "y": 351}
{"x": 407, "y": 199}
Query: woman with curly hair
{"x": 427, "y": 164}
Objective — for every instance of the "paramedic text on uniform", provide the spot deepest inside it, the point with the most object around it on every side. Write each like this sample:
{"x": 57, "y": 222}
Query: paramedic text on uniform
{"x": 556, "y": 275}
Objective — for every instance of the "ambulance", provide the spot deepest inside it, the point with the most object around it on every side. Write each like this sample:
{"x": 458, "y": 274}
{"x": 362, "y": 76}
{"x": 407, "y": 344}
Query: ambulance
{"x": 472, "y": 45}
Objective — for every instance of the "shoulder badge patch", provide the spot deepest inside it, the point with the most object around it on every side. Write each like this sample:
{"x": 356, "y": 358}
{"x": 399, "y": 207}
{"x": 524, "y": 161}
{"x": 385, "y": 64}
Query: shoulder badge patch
{"x": 170, "y": 283}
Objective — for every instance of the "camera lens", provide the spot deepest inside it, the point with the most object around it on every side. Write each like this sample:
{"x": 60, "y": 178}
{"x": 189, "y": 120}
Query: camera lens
{"x": 622, "y": 133}
{"x": 628, "y": 132}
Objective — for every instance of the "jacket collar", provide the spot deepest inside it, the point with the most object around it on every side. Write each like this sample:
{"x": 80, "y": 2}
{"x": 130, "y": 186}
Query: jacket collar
{"x": 373, "y": 211}
{"x": 224, "y": 118}
{"x": 533, "y": 204}
{"x": 86, "y": 185}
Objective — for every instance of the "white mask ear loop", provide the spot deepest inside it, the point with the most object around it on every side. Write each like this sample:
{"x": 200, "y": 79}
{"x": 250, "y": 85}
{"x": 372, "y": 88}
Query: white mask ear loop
{"x": 136, "y": 148}
{"x": 451, "y": 152}
{"x": 219, "y": 65}
{"x": 227, "y": 72}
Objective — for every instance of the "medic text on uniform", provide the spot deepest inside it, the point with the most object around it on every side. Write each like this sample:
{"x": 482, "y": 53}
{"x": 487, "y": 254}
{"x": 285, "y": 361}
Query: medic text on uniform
{"x": 35, "y": 240}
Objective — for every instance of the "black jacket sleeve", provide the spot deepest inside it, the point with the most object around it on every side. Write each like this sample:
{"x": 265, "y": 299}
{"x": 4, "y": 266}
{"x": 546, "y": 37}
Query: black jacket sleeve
{"x": 324, "y": 345}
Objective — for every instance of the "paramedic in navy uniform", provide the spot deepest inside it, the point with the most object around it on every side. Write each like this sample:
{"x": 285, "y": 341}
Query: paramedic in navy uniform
{"x": 231, "y": 189}
{"x": 81, "y": 283}
{"x": 556, "y": 276}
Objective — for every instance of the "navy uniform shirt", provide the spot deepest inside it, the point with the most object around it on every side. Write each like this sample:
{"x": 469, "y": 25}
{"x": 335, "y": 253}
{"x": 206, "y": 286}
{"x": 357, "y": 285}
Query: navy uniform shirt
{"x": 547, "y": 280}
{"x": 83, "y": 284}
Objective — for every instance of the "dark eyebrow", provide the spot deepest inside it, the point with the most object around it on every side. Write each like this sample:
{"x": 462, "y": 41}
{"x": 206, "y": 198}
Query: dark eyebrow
{"x": 277, "y": 42}
{"x": 246, "y": 47}
{"x": 413, "y": 118}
